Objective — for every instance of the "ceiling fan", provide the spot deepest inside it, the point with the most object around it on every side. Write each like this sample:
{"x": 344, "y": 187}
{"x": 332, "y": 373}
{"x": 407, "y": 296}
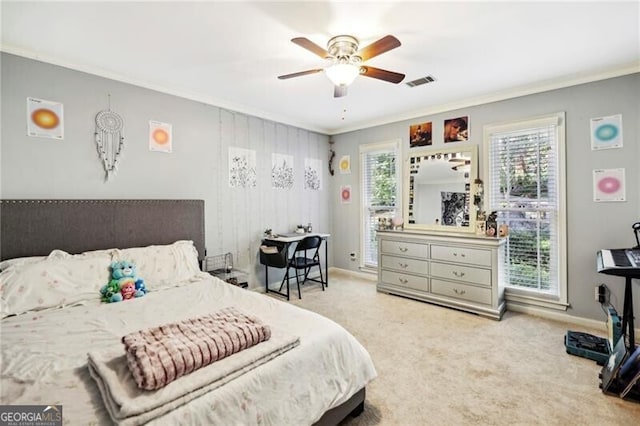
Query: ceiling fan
{"x": 346, "y": 61}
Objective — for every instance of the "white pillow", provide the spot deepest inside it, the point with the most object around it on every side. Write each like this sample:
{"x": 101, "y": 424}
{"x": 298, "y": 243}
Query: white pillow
{"x": 7, "y": 263}
{"x": 55, "y": 254}
{"x": 60, "y": 254}
{"x": 162, "y": 266}
{"x": 53, "y": 282}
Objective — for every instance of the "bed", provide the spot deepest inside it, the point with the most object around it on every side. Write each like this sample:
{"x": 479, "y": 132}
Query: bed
{"x": 55, "y": 252}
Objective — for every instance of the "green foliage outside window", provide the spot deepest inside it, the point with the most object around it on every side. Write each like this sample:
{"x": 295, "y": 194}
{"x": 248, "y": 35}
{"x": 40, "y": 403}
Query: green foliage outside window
{"x": 529, "y": 263}
{"x": 383, "y": 184}
{"x": 384, "y": 180}
{"x": 524, "y": 165}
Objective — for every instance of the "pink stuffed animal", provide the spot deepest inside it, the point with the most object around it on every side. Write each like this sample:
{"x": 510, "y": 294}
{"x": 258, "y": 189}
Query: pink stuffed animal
{"x": 127, "y": 288}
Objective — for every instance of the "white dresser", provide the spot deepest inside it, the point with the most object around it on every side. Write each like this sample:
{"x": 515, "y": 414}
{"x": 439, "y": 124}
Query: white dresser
{"x": 455, "y": 270}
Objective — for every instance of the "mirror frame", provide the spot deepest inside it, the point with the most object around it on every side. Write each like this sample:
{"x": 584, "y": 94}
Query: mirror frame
{"x": 473, "y": 173}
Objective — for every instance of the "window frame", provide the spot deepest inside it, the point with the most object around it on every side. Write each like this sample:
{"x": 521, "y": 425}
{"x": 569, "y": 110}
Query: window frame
{"x": 391, "y": 145}
{"x": 521, "y": 295}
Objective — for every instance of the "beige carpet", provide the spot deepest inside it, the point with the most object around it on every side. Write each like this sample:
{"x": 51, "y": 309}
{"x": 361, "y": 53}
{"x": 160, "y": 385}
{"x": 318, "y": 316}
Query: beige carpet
{"x": 439, "y": 366}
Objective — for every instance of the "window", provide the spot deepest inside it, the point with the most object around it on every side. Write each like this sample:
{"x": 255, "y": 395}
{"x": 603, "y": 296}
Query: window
{"x": 525, "y": 168}
{"x": 379, "y": 166}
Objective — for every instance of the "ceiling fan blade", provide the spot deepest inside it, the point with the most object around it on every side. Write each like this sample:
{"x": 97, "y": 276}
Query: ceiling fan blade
{"x": 299, "y": 74}
{"x": 311, "y": 46}
{"x": 376, "y": 48}
{"x": 380, "y": 74}
{"x": 339, "y": 91}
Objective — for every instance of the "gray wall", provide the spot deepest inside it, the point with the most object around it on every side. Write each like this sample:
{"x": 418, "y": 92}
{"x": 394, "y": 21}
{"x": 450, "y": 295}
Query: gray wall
{"x": 590, "y": 226}
{"x": 235, "y": 218}
{"x": 198, "y": 167}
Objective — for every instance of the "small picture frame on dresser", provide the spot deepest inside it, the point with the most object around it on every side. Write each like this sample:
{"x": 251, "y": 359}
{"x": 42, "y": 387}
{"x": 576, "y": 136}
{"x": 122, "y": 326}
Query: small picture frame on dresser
{"x": 491, "y": 225}
{"x": 491, "y": 229}
{"x": 480, "y": 227}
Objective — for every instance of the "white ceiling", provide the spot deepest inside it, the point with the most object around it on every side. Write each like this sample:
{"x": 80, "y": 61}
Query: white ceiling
{"x": 230, "y": 53}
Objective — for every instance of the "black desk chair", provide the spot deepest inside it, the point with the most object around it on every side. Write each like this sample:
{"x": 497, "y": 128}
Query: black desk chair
{"x": 305, "y": 256}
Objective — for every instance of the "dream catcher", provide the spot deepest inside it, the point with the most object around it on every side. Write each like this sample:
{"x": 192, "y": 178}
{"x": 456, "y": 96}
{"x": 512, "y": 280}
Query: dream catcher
{"x": 109, "y": 139}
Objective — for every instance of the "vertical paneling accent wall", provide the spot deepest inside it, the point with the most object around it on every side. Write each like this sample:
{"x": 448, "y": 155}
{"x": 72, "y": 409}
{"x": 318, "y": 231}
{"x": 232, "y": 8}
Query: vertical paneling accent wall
{"x": 197, "y": 168}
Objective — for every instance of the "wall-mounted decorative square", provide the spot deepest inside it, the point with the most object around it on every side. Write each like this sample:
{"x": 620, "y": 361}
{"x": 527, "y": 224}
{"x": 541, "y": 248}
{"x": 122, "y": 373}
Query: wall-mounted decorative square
{"x": 606, "y": 132}
{"x": 45, "y": 119}
{"x": 313, "y": 174}
{"x": 160, "y": 138}
{"x": 242, "y": 168}
{"x": 345, "y": 164}
{"x": 456, "y": 129}
{"x": 345, "y": 194}
{"x": 420, "y": 134}
{"x": 608, "y": 185}
{"x": 281, "y": 171}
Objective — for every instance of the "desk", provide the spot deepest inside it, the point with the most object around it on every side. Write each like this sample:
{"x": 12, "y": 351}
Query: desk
{"x": 288, "y": 240}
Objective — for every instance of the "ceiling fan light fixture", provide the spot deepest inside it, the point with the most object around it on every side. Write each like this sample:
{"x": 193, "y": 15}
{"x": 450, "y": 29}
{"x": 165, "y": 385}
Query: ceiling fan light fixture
{"x": 342, "y": 74}
{"x": 345, "y": 61}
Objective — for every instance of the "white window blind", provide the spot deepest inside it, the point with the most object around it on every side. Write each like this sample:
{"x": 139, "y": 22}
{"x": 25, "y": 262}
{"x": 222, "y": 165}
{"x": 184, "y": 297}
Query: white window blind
{"x": 525, "y": 172}
{"x": 380, "y": 178}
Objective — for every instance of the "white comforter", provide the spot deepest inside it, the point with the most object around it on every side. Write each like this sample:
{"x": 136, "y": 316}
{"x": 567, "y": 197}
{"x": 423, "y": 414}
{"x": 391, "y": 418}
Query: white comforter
{"x": 44, "y": 358}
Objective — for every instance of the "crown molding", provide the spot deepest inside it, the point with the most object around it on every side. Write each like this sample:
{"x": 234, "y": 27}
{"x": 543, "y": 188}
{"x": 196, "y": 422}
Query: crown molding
{"x": 545, "y": 86}
{"x": 208, "y": 100}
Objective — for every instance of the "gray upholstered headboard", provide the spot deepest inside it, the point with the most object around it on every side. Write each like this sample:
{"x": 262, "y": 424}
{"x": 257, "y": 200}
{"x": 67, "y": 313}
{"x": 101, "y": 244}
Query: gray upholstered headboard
{"x": 35, "y": 227}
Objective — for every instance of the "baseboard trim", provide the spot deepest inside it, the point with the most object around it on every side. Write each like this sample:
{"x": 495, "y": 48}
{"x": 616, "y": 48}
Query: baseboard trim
{"x": 562, "y": 317}
{"x": 356, "y": 274}
{"x": 513, "y": 307}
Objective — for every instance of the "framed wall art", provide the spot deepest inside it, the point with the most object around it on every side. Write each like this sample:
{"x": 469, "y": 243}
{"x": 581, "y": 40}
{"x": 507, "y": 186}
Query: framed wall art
{"x": 345, "y": 194}
{"x": 606, "y": 132}
{"x": 281, "y": 171}
{"x": 242, "y": 168}
{"x": 45, "y": 119}
{"x": 313, "y": 174}
{"x": 345, "y": 164}
{"x": 609, "y": 185}
{"x": 420, "y": 134}
{"x": 160, "y": 137}
{"x": 456, "y": 129}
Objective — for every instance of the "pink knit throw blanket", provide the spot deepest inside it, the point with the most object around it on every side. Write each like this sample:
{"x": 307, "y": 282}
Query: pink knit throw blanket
{"x": 159, "y": 355}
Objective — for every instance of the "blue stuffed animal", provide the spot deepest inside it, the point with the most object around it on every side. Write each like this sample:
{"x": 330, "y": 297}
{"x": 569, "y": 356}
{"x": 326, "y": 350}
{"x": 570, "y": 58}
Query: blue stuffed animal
{"x": 124, "y": 283}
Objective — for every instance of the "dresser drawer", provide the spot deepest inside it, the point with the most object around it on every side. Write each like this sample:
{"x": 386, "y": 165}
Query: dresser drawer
{"x": 461, "y": 291}
{"x": 468, "y": 274}
{"x": 461, "y": 255}
{"x": 403, "y": 264}
{"x": 405, "y": 249}
{"x": 405, "y": 280}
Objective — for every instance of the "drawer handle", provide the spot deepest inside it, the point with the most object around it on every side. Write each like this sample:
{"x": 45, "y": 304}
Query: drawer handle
{"x": 460, "y": 292}
{"x": 403, "y": 280}
{"x": 458, "y": 274}
{"x": 403, "y": 265}
{"x": 461, "y": 254}
{"x": 403, "y": 249}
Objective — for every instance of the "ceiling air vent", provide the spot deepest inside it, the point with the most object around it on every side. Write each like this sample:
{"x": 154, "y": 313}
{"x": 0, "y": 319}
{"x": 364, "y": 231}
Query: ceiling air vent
{"x": 420, "y": 81}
